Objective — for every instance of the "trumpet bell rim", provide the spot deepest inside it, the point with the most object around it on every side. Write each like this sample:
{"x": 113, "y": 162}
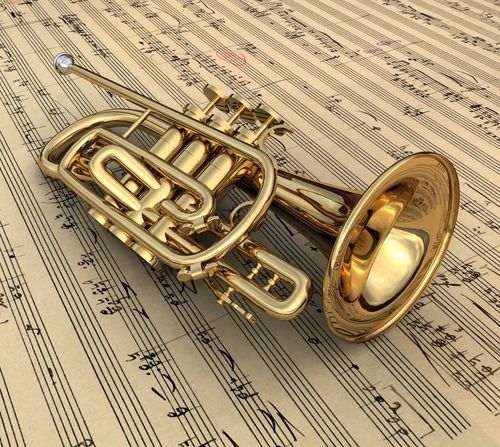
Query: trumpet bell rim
{"x": 376, "y": 272}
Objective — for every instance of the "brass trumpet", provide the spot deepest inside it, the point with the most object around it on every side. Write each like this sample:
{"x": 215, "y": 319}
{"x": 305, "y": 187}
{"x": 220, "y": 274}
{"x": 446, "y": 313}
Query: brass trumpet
{"x": 162, "y": 202}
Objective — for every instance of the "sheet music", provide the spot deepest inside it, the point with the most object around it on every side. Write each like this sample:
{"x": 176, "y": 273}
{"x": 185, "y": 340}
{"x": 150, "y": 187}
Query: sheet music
{"x": 98, "y": 349}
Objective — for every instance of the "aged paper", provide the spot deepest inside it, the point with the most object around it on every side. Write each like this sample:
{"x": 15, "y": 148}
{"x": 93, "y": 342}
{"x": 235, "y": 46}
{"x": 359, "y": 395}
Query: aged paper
{"x": 98, "y": 349}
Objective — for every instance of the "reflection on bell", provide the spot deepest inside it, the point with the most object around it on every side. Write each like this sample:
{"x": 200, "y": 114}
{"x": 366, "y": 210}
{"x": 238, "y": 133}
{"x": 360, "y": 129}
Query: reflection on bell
{"x": 386, "y": 242}
{"x": 399, "y": 255}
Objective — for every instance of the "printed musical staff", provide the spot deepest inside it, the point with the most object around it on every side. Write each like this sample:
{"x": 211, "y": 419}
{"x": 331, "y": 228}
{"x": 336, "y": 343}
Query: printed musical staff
{"x": 111, "y": 352}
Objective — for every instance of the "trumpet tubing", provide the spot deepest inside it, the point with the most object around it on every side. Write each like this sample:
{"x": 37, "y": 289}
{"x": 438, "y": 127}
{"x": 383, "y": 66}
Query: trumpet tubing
{"x": 385, "y": 243}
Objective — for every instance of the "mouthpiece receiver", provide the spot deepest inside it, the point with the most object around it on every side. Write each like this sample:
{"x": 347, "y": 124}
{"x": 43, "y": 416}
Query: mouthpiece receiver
{"x": 63, "y": 63}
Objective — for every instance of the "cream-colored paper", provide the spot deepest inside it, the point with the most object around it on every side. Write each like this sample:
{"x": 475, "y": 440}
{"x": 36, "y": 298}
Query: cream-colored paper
{"x": 97, "y": 349}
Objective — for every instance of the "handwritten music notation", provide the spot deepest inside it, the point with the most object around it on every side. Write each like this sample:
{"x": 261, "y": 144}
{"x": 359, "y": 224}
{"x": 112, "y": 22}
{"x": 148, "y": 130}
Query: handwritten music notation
{"x": 98, "y": 349}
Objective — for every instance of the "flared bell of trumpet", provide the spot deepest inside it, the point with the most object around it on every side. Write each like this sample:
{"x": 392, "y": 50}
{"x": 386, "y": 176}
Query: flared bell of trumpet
{"x": 384, "y": 245}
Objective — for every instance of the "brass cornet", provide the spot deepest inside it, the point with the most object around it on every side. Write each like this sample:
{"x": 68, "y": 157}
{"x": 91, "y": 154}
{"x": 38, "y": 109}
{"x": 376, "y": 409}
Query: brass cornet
{"x": 161, "y": 202}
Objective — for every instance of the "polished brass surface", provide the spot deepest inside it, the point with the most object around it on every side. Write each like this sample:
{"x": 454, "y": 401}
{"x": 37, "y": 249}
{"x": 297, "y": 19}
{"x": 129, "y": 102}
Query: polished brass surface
{"x": 385, "y": 244}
